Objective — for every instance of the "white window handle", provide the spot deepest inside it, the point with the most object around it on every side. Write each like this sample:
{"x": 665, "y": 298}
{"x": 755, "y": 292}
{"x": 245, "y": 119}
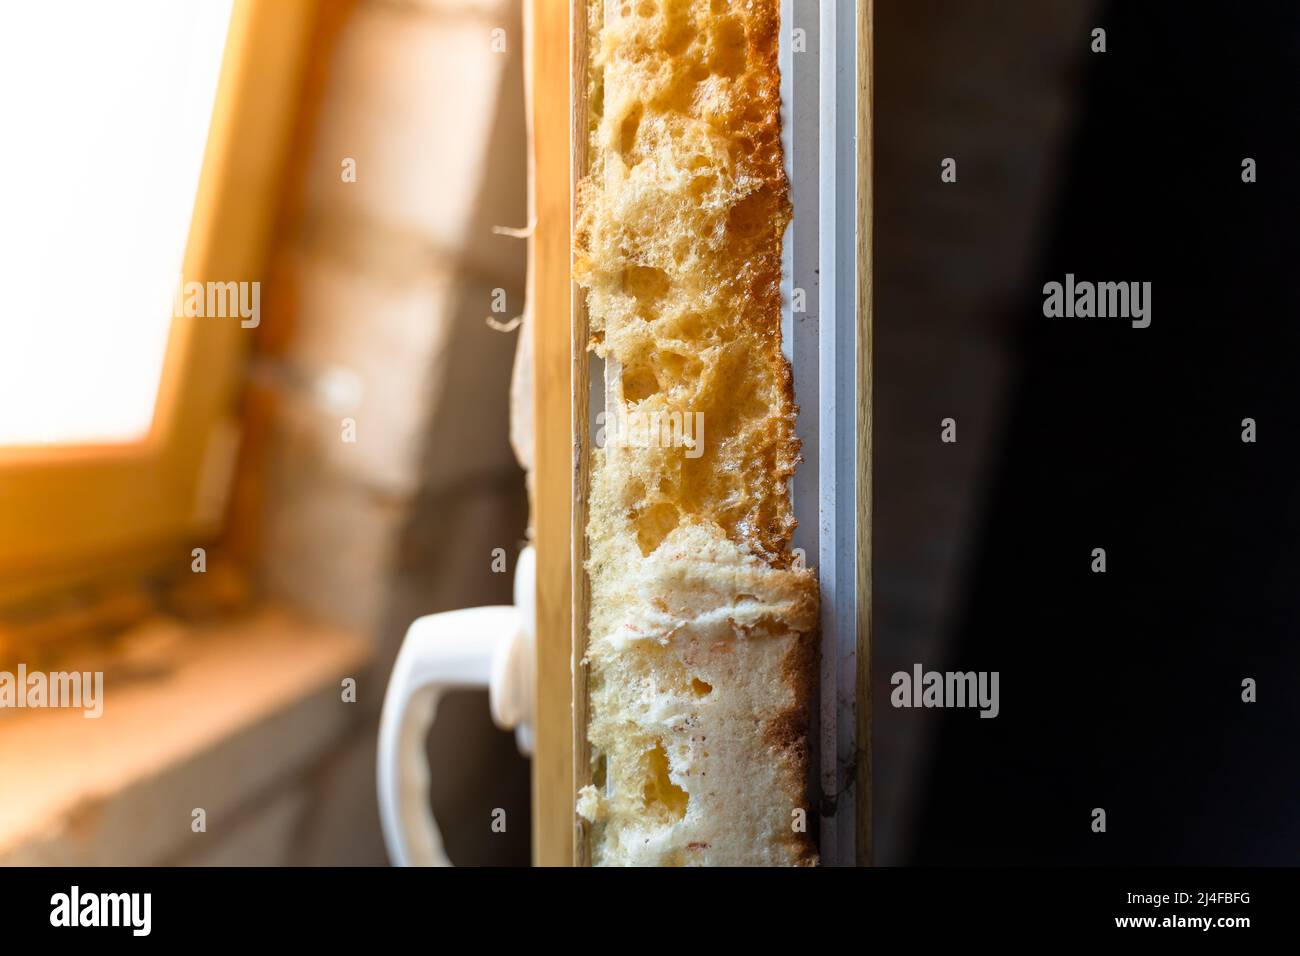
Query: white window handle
{"x": 481, "y": 647}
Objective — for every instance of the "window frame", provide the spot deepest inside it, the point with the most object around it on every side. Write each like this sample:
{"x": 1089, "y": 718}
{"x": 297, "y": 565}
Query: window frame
{"x": 69, "y": 511}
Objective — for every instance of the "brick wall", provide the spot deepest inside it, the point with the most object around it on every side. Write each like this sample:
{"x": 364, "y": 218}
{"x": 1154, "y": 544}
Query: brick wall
{"x": 381, "y": 290}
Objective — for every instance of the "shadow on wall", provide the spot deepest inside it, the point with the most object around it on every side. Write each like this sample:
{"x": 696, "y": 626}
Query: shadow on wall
{"x": 994, "y": 86}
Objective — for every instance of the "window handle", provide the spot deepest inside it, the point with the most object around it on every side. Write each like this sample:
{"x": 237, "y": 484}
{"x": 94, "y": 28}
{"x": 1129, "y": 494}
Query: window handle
{"x": 482, "y": 647}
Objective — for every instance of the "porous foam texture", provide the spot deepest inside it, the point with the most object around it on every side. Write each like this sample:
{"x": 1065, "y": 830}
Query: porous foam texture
{"x": 701, "y": 630}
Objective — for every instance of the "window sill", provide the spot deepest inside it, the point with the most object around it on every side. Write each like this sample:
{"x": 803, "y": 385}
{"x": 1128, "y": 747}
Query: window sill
{"x": 244, "y": 705}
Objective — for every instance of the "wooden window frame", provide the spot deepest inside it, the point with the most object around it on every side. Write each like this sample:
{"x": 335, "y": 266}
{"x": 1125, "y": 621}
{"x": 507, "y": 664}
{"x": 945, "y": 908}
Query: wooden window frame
{"x": 69, "y": 511}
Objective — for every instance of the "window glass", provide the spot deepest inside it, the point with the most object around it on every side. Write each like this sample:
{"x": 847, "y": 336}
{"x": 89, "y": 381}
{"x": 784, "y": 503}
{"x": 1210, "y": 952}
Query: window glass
{"x": 105, "y": 114}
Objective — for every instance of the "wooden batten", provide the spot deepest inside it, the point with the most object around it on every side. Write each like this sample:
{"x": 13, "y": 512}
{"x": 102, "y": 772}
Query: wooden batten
{"x": 546, "y": 25}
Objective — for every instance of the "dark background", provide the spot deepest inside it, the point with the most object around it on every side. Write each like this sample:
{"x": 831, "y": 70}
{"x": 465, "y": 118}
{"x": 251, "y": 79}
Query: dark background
{"x": 1119, "y": 690}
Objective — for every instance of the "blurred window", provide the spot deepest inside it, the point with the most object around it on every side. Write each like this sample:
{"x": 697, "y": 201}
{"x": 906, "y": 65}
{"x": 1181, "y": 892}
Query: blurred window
{"x": 144, "y": 149}
{"x": 97, "y": 183}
